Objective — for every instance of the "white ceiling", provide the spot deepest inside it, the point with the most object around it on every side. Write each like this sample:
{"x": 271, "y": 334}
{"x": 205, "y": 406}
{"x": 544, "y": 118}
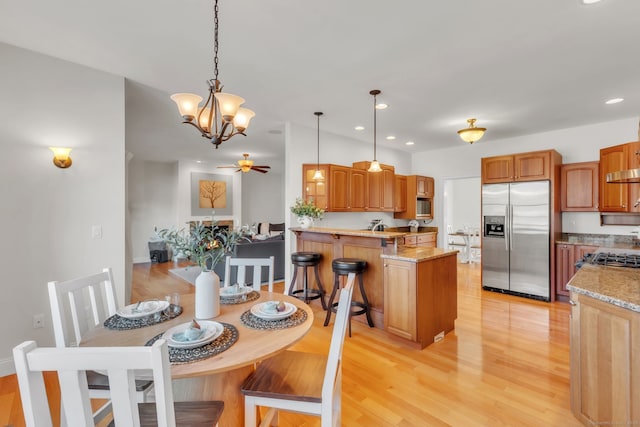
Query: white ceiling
{"x": 519, "y": 67}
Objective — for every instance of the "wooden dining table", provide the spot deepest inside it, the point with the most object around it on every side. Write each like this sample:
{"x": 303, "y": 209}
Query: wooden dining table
{"x": 218, "y": 377}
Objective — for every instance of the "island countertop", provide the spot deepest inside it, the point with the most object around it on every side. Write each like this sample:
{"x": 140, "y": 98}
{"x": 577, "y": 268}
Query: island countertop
{"x": 418, "y": 254}
{"x": 351, "y": 232}
{"x": 615, "y": 285}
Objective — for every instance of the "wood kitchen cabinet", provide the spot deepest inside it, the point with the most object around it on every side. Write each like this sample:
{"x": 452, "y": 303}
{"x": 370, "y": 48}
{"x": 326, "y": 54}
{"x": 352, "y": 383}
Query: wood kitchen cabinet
{"x": 379, "y": 188}
{"x": 532, "y": 166}
{"x": 604, "y": 361}
{"x": 417, "y": 187}
{"x": 400, "y": 194}
{"x": 425, "y": 240}
{"x": 341, "y": 190}
{"x": 579, "y": 187}
{"x": 616, "y": 197}
{"x": 317, "y": 190}
{"x": 420, "y": 298}
{"x": 567, "y": 254}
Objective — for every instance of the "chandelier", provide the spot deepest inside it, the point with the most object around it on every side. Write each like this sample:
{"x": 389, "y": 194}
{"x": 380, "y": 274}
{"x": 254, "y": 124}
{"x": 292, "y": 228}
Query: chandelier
{"x": 221, "y": 117}
{"x": 472, "y": 133}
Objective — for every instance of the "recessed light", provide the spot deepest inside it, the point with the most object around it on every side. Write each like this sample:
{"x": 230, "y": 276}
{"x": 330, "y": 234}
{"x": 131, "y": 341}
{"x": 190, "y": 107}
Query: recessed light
{"x": 409, "y": 143}
{"x": 614, "y": 101}
{"x": 359, "y": 128}
{"x": 198, "y": 161}
{"x": 590, "y": 1}
{"x": 391, "y": 138}
{"x": 381, "y": 106}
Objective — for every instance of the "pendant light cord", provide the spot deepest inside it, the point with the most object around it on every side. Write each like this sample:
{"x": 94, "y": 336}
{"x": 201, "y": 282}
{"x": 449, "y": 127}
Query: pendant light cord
{"x": 318, "y": 114}
{"x": 375, "y": 114}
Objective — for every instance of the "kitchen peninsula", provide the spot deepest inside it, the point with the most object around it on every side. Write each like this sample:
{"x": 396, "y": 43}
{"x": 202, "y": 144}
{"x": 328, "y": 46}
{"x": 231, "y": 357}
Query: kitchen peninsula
{"x": 412, "y": 290}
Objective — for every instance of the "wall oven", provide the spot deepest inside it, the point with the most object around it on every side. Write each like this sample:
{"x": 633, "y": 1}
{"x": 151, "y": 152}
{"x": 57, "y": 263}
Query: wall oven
{"x": 423, "y": 207}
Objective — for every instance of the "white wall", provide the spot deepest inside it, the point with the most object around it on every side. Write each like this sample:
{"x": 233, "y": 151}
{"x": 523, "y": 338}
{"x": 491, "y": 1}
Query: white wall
{"x": 462, "y": 203}
{"x": 579, "y": 144}
{"x": 262, "y": 197}
{"x": 49, "y": 212}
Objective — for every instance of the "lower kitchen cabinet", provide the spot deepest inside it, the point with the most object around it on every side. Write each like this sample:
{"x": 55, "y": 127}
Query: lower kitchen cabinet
{"x": 567, "y": 254}
{"x": 427, "y": 240}
{"x": 420, "y": 298}
{"x": 604, "y": 362}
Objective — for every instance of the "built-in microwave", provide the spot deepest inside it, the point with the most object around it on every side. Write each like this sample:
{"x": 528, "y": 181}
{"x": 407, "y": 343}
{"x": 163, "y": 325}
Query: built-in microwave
{"x": 423, "y": 207}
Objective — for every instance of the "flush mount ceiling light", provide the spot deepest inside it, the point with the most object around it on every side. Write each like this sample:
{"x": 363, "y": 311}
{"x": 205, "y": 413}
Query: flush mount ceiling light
{"x": 587, "y": 2}
{"x": 375, "y": 166}
{"x": 613, "y": 101}
{"x": 221, "y": 117}
{"x": 472, "y": 133}
{"x": 318, "y": 175}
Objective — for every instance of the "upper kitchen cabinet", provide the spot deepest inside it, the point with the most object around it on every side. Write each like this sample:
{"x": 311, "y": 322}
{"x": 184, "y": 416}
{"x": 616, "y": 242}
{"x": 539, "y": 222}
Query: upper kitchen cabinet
{"x": 380, "y": 187}
{"x": 532, "y": 166}
{"x": 619, "y": 197}
{"x": 419, "y": 199}
{"x": 400, "y": 194}
{"x": 341, "y": 190}
{"x": 579, "y": 187}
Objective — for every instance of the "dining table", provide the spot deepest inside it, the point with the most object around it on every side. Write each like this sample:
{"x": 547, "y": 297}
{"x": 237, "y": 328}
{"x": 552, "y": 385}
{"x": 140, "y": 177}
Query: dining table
{"x": 218, "y": 376}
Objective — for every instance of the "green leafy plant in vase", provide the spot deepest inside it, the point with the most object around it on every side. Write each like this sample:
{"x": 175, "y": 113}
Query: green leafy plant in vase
{"x": 306, "y": 212}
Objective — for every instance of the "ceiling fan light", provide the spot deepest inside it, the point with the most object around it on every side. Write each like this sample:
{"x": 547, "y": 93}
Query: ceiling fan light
{"x": 228, "y": 104}
{"x": 242, "y": 118}
{"x": 472, "y": 133}
{"x": 187, "y": 104}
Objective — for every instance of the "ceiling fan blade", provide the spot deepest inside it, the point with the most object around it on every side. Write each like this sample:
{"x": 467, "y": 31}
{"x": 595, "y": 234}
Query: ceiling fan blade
{"x": 257, "y": 169}
{"x": 263, "y": 167}
{"x": 232, "y": 166}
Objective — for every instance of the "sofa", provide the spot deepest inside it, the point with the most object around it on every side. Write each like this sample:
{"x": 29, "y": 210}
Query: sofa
{"x": 272, "y": 246}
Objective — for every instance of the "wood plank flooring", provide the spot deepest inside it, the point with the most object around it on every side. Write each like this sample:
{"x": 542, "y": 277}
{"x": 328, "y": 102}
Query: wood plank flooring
{"x": 506, "y": 364}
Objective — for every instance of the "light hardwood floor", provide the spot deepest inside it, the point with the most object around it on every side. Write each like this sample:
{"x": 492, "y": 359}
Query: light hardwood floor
{"x": 506, "y": 364}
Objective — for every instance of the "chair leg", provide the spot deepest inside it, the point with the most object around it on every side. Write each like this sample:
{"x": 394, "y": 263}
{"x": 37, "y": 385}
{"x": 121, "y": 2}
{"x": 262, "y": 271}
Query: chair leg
{"x": 293, "y": 280}
{"x": 336, "y": 284}
{"x": 366, "y": 303}
{"x": 250, "y": 412}
{"x": 320, "y": 287}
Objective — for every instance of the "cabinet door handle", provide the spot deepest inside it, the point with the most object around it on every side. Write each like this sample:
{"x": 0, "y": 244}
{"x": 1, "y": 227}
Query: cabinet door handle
{"x": 571, "y": 302}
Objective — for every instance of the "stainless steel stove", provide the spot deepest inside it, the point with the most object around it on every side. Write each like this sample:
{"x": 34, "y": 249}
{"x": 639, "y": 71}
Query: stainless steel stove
{"x": 615, "y": 259}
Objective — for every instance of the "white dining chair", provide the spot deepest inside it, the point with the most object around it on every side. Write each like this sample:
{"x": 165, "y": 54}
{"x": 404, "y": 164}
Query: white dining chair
{"x": 120, "y": 363}
{"x": 78, "y": 306}
{"x": 301, "y": 382}
{"x": 241, "y": 266}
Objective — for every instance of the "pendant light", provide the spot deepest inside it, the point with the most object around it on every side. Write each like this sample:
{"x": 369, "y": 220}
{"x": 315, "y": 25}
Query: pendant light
{"x": 375, "y": 166}
{"x": 318, "y": 175}
{"x": 221, "y": 117}
{"x": 472, "y": 133}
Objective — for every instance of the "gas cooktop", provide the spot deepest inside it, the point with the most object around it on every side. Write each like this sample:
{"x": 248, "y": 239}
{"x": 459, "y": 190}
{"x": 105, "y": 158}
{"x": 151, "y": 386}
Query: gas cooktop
{"x": 615, "y": 259}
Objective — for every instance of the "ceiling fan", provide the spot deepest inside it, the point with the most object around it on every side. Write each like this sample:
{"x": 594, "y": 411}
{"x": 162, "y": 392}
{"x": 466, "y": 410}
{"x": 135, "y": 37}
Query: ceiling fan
{"x": 245, "y": 165}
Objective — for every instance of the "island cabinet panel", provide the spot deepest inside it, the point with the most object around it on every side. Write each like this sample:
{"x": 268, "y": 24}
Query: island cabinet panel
{"x": 373, "y": 283}
{"x": 579, "y": 187}
{"x": 605, "y": 356}
{"x": 421, "y": 298}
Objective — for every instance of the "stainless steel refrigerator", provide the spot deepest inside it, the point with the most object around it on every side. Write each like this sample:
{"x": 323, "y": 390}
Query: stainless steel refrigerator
{"x": 515, "y": 239}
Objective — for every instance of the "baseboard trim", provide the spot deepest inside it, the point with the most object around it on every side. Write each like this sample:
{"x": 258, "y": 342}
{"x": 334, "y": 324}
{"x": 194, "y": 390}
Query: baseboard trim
{"x": 141, "y": 260}
{"x": 7, "y": 367}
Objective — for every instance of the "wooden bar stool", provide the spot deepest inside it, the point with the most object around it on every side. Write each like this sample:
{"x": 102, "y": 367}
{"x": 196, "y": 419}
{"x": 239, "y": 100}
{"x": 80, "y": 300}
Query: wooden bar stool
{"x": 342, "y": 267}
{"x": 305, "y": 260}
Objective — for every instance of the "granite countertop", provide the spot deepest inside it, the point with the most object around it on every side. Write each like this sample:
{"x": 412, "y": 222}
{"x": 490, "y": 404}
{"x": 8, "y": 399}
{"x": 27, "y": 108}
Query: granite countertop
{"x": 418, "y": 254}
{"x": 389, "y": 233}
{"x": 615, "y": 285}
{"x": 599, "y": 240}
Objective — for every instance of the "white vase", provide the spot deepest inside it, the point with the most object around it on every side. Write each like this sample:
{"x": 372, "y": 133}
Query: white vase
{"x": 207, "y": 295}
{"x": 305, "y": 221}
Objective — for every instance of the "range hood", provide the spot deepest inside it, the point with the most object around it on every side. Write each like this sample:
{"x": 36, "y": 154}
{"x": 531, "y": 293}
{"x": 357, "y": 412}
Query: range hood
{"x": 629, "y": 176}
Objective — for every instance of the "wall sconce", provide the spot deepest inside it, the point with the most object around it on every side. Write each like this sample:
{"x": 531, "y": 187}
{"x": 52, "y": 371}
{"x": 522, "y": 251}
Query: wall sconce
{"x": 61, "y": 157}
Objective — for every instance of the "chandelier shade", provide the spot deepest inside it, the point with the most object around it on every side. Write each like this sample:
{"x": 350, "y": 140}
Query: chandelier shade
{"x": 472, "y": 133}
{"x": 375, "y": 165}
{"x": 221, "y": 117}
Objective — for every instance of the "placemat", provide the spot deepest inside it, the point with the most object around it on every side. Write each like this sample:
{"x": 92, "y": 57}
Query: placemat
{"x": 251, "y": 296}
{"x": 251, "y": 321}
{"x": 120, "y": 323}
{"x": 179, "y": 356}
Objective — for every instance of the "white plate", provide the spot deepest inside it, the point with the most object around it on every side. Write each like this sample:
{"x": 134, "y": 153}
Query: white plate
{"x": 234, "y": 291}
{"x": 212, "y": 330}
{"x": 146, "y": 308}
{"x": 258, "y": 311}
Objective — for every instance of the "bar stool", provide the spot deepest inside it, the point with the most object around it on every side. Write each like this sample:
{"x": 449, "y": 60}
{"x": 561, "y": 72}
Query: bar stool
{"x": 342, "y": 267}
{"x": 305, "y": 260}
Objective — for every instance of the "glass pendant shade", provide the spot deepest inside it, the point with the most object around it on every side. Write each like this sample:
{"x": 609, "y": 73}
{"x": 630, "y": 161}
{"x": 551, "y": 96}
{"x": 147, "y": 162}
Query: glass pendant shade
{"x": 187, "y": 104}
{"x": 229, "y": 104}
{"x": 472, "y": 133}
{"x": 375, "y": 167}
{"x": 317, "y": 176}
{"x": 242, "y": 118}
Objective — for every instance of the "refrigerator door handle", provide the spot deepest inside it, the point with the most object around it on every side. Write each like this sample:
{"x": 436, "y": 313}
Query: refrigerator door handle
{"x": 506, "y": 231}
{"x": 511, "y": 227}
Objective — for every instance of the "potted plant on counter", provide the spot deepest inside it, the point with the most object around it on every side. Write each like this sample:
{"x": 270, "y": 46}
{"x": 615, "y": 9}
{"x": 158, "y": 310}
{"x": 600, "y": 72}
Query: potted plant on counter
{"x": 306, "y": 212}
{"x": 206, "y": 246}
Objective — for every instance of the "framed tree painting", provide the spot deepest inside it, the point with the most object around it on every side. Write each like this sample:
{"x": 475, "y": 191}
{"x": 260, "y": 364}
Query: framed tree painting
{"x": 210, "y": 193}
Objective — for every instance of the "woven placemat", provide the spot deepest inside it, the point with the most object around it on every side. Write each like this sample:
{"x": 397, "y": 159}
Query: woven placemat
{"x": 120, "y": 323}
{"x": 251, "y": 296}
{"x": 251, "y": 321}
{"x": 179, "y": 356}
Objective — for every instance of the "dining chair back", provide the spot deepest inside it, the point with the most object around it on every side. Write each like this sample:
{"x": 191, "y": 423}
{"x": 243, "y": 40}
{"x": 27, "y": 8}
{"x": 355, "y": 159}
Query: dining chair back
{"x": 302, "y": 382}
{"x": 79, "y": 306}
{"x": 120, "y": 363}
{"x": 242, "y": 266}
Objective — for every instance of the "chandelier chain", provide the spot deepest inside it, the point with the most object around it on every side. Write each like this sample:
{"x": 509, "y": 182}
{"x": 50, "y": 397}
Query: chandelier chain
{"x": 215, "y": 40}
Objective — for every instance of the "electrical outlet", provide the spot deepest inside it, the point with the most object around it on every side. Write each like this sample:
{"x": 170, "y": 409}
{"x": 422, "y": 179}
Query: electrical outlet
{"x": 439, "y": 337}
{"x": 38, "y": 321}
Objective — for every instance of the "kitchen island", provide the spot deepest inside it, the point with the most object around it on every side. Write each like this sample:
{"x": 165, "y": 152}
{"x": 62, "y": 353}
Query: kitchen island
{"x": 412, "y": 291}
{"x": 605, "y": 345}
